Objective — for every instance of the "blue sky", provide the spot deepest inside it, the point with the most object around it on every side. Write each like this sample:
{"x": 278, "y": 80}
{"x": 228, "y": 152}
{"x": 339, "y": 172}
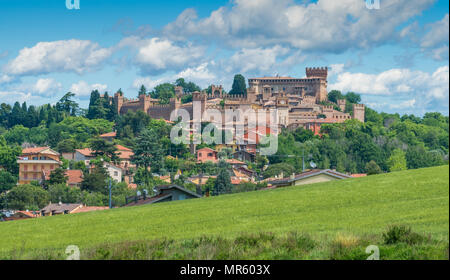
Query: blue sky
{"x": 396, "y": 57}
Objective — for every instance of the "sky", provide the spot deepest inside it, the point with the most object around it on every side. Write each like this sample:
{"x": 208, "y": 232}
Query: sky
{"x": 396, "y": 57}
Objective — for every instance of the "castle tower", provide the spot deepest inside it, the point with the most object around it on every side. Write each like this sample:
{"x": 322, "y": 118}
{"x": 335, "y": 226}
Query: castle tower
{"x": 282, "y": 102}
{"x": 118, "y": 100}
{"x": 144, "y": 102}
{"x": 317, "y": 72}
{"x": 216, "y": 91}
{"x": 200, "y": 97}
{"x": 342, "y": 104}
{"x": 179, "y": 91}
{"x": 359, "y": 112}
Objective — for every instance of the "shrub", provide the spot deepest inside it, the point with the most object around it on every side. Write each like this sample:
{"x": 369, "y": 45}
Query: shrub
{"x": 401, "y": 233}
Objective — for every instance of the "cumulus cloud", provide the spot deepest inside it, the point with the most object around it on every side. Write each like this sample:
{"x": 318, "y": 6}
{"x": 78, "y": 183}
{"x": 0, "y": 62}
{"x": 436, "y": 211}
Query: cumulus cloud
{"x": 257, "y": 59}
{"x": 10, "y": 97}
{"x": 156, "y": 55}
{"x": 325, "y": 25}
{"x": 200, "y": 74}
{"x": 83, "y": 89}
{"x": 405, "y": 88}
{"x": 150, "y": 83}
{"x": 77, "y": 56}
{"x": 436, "y": 39}
{"x": 47, "y": 87}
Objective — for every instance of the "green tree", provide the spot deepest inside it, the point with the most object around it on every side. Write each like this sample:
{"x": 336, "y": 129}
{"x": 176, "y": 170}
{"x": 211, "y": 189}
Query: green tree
{"x": 372, "y": 168}
{"x": 7, "y": 181}
{"x": 142, "y": 91}
{"x": 104, "y": 149}
{"x": 335, "y": 95}
{"x": 397, "y": 161}
{"x": 148, "y": 151}
{"x": 27, "y": 197}
{"x": 96, "y": 181}
{"x": 239, "y": 85}
{"x": 67, "y": 105}
{"x": 222, "y": 184}
{"x": 58, "y": 176}
{"x": 8, "y": 156}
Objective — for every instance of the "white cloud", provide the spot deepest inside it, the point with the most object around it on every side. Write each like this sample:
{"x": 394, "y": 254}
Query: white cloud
{"x": 47, "y": 86}
{"x": 325, "y": 25}
{"x": 83, "y": 89}
{"x": 58, "y": 56}
{"x": 436, "y": 39}
{"x": 13, "y": 96}
{"x": 150, "y": 83}
{"x": 257, "y": 59}
{"x": 5, "y": 79}
{"x": 156, "y": 55}
{"x": 404, "y": 87}
{"x": 200, "y": 74}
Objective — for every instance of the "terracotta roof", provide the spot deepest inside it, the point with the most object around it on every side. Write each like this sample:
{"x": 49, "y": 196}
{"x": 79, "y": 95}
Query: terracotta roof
{"x": 28, "y": 214}
{"x": 122, "y": 148}
{"x": 234, "y": 161}
{"x": 235, "y": 181}
{"x": 89, "y": 209}
{"x": 109, "y": 134}
{"x": 74, "y": 176}
{"x": 85, "y": 152}
{"x": 358, "y": 175}
{"x": 34, "y": 150}
{"x": 125, "y": 154}
{"x": 206, "y": 149}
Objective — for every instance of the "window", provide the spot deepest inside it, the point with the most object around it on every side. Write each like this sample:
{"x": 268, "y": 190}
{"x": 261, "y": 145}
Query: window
{"x": 182, "y": 197}
{"x": 210, "y": 154}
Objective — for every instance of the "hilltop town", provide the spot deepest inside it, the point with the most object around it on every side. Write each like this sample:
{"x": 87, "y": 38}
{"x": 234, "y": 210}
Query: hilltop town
{"x": 120, "y": 151}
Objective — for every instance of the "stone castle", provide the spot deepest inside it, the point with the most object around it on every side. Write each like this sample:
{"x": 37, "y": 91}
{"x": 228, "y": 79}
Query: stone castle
{"x": 299, "y": 101}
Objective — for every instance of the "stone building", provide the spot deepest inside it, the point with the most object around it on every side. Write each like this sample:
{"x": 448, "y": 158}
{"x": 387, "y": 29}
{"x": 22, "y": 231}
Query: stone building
{"x": 299, "y": 101}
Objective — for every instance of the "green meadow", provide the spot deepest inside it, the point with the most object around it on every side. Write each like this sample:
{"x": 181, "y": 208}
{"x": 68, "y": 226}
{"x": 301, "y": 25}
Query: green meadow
{"x": 332, "y": 220}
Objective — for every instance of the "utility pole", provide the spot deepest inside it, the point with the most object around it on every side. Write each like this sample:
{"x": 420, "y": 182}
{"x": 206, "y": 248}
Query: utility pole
{"x": 303, "y": 160}
{"x": 110, "y": 206}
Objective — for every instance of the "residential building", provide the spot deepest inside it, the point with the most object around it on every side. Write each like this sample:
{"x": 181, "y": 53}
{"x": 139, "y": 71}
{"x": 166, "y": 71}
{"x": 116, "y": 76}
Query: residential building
{"x": 109, "y": 136}
{"x": 163, "y": 194}
{"x": 206, "y": 154}
{"x": 35, "y": 162}
{"x": 74, "y": 177}
{"x": 309, "y": 177}
{"x": 68, "y": 208}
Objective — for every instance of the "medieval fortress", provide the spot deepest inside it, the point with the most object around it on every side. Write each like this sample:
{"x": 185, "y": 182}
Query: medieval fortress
{"x": 298, "y": 101}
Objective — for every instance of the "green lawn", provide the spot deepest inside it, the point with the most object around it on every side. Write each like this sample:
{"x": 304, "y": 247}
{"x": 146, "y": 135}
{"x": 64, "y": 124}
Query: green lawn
{"x": 417, "y": 198}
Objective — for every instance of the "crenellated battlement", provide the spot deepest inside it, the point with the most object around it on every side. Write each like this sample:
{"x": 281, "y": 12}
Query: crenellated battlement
{"x": 317, "y": 72}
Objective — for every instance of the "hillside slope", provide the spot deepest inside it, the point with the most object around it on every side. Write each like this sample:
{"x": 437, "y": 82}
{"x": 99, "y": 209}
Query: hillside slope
{"x": 418, "y": 198}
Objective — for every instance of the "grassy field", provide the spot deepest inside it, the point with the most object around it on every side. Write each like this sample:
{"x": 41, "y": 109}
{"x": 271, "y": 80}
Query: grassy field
{"x": 354, "y": 211}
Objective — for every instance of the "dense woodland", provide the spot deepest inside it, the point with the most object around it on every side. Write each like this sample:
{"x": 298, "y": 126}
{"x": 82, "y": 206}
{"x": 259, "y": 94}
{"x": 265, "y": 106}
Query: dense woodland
{"x": 384, "y": 143}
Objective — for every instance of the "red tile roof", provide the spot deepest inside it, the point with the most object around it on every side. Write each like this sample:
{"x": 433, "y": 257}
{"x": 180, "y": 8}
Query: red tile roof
{"x": 89, "y": 209}
{"x": 206, "y": 149}
{"x": 74, "y": 176}
{"x": 125, "y": 154}
{"x": 34, "y": 150}
{"x": 234, "y": 161}
{"x": 358, "y": 175}
{"x": 85, "y": 152}
{"x": 122, "y": 148}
